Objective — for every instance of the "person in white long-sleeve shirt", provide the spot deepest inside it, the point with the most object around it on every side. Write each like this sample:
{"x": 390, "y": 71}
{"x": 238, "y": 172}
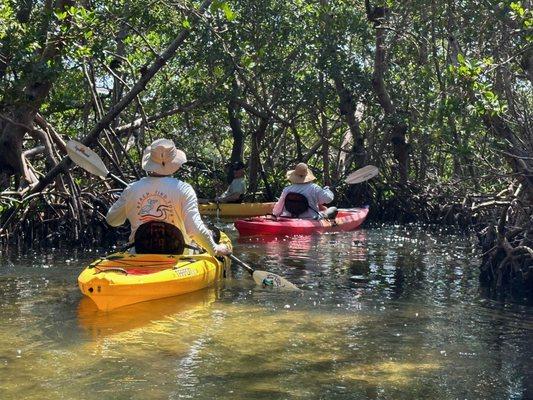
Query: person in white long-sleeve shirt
{"x": 159, "y": 197}
{"x": 302, "y": 179}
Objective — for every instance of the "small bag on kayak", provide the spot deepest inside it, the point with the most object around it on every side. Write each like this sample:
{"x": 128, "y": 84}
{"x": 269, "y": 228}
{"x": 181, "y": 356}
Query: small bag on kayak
{"x": 296, "y": 203}
{"x": 158, "y": 237}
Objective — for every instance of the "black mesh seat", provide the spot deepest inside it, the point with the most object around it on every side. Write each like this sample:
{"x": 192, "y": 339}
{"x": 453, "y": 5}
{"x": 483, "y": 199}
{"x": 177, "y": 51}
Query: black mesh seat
{"x": 158, "y": 237}
{"x": 296, "y": 203}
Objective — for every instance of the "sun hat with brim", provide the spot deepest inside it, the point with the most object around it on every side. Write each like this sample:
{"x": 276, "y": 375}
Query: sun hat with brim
{"x": 162, "y": 157}
{"x": 300, "y": 174}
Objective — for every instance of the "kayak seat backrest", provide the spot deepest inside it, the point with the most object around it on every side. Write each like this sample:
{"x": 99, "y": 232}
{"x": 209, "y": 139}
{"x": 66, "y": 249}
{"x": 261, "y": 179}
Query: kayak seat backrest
{"x": 158, "y": 237}
{"x": 296, "y": 203}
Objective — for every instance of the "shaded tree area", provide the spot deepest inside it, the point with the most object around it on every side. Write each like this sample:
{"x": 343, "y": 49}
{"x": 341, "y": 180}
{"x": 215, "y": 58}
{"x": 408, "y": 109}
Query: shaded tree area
{"x": 437, "y": 95}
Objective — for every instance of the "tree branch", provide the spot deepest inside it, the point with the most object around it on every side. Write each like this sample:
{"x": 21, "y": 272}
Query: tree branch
{"x": 104, "y": 122}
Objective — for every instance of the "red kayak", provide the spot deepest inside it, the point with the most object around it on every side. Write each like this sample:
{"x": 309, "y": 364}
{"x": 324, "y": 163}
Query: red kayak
{"x": 346, "y": 220}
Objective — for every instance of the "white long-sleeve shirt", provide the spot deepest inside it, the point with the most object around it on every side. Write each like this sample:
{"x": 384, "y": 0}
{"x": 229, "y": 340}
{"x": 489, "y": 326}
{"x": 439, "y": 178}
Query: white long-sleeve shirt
{"x": 316, "y": 196}
{"x": 163, "y": 199}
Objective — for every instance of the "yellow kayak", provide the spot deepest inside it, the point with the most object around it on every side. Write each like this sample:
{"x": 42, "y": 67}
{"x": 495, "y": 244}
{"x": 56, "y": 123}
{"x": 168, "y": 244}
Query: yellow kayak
{"x": 123, "y": 278}
{"x": 236, "y": 209}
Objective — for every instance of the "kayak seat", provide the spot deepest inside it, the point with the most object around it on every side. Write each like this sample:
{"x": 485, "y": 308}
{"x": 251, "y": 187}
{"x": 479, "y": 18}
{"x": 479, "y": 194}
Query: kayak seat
{"x": 296, "y": 203}
{"x": 158, "y": 237}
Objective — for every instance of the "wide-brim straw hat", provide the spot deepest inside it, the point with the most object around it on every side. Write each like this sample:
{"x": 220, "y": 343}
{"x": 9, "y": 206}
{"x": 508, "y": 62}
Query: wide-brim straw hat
{"x": 162, "y": 157}
{"x": 300, "y": 174}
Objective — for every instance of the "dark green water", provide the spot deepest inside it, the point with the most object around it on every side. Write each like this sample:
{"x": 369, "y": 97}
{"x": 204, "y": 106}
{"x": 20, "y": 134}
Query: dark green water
{"x": 386, "y": 313}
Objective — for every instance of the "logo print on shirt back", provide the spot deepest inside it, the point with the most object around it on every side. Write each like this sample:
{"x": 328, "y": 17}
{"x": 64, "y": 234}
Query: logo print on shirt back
{"x": 154, "y": 206}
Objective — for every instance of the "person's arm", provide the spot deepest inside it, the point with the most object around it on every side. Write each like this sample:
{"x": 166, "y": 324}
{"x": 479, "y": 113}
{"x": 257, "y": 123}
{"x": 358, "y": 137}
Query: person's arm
{"x": 223, "y": 195}
{"x": 278, "y": 207}
{"x": 325, "y": 195}
{"x": 234, "y": 192}
{"x": 194, "y": 226}
{"x": 228, "y": 197}
{"x": 116, "y": 215}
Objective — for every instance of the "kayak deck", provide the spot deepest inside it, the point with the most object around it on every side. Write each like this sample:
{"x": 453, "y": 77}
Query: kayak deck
{"x": 123, "y": 278}
{"x": 236, "y": 209}
{"x": 346, "y": 220}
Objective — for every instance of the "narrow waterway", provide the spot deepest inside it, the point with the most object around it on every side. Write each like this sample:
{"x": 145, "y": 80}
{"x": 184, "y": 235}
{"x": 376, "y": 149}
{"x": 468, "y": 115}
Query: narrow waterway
{"x": 385, "y": 313}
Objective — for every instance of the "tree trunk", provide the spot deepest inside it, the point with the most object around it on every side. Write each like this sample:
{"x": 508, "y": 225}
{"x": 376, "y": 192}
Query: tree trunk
{"x": 325, "y": 150}
{"x": 118, "y": 85}
{"x": 398, "y": 129}
{"x": 527, "y": 64}
{"x": 348, "y": 109}
{"x": 35, "y": 92}
{"x": 298, "y": 141}
{"x": 237, "y": 149}
{"x": 255, "y": 154}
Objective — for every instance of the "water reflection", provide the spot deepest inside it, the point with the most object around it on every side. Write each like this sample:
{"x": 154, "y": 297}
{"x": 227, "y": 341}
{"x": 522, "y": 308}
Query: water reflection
{"x": 100, "y": 324}
{"x": 386, "y": 313}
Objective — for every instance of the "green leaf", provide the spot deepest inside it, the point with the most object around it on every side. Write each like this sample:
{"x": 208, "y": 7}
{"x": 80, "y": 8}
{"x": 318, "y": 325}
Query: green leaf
{"x": 61, "y": 15}
{"x": 218, "y": 71}
{"x": 515, "y": 6}
{"x": 488, "y": 61}
{"x": 464, "y": 71}
{"x": 186, "y": 23}
{"x": 228, "y": 12}
{"x": 489, "y": 95}
{"x": 225, "y": 7}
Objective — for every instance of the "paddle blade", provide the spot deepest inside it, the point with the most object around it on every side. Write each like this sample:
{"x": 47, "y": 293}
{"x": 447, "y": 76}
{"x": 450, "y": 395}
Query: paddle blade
{"x": 362, "y": 175}
{"x": 268, "y": 279}
{"x": 86, "y": 158}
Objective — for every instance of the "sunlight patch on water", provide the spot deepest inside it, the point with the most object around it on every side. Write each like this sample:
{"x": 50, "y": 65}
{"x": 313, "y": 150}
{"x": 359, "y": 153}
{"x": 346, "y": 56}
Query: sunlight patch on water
{"x": 392, "y": 372}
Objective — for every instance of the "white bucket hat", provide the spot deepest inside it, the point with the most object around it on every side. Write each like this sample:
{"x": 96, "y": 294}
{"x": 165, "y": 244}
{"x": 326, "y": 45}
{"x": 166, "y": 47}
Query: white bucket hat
{"x": 162, "y": 157}
{"x": 300, "y": 174}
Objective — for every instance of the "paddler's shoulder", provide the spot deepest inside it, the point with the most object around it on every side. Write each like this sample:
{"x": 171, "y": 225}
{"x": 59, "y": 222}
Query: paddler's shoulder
{"x": 140, "y": 182}
{"x": 181, "y": 185}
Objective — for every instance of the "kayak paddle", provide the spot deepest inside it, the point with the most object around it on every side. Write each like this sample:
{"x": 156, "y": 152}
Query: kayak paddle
{"x": 89, "y": 161}
{"x": 92, "y": 163}
{"x": 265, "y": 278}
{"x": 362, "y": 175}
